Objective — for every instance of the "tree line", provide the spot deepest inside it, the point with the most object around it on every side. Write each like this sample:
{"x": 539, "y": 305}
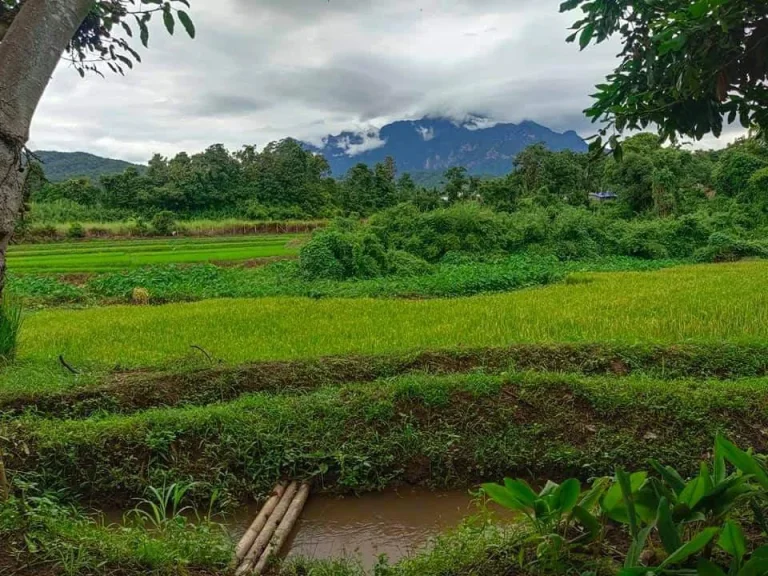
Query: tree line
{"x": 285, "y": 181}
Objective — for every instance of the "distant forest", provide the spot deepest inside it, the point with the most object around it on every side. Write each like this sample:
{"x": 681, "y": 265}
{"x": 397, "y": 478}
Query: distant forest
{"x": 285, "y": 181}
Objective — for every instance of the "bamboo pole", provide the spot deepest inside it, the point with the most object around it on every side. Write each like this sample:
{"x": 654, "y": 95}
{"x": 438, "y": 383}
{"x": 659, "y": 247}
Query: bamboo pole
{"x": 269, "y": 529}
{"x": 5, "y": 489}
{"x": 258, "y": 524}
{"x": 285, "y": 528}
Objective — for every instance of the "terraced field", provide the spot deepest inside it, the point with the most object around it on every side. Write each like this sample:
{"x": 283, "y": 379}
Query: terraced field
{"x": 91, "y": 256}
{"x": 227, "y": 396}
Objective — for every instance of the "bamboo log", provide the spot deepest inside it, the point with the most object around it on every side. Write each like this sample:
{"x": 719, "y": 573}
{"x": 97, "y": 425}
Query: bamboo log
{"x": 258, "y": 524}
{"x": 284, "y": 530}
{"x": 5, "y": 488}
{"x": 269, "y": 529}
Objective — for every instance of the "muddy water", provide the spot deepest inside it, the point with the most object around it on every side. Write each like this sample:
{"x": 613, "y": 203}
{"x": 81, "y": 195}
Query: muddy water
{"x": 392, "y": 523}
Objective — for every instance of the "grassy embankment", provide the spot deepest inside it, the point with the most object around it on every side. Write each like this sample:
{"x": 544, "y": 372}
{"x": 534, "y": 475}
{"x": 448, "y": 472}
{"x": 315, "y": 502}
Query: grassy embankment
{"x": 647, "y": 343}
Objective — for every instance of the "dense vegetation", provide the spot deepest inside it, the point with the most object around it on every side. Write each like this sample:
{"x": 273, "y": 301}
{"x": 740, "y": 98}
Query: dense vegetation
{"x": 253, "y": 373}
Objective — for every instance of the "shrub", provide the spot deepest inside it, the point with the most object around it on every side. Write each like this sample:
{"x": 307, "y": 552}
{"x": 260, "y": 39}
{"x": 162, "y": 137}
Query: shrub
{"x": 338, "y": 255}
{"x": 464, "y": 227}
{"x": 138, "y": 227}
{"x": 256, "y": 211}
{"x": 76, "y": 230}
{"x": 10, "y": 326}
{"x": 164, "y": 223}
{"x": 641, "y": 239}
{"x": 732, "y": 174}
{"x": 400, "y": 263}
{"x": 724, "y": 247}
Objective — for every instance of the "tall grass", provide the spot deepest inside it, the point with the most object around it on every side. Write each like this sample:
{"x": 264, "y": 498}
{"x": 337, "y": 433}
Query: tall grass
{"x": 46, "y": 231}
{"x": 10, "y": 327}
{"x": 699, "y": 304}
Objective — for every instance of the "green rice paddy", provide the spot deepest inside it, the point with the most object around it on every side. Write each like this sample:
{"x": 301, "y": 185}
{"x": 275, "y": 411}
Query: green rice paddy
{"x": 90, "y": 256}
{"x": 701, "y": 304}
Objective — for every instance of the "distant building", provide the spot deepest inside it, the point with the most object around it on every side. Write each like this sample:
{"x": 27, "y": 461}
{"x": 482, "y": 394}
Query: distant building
{"x": 603, "y": 196}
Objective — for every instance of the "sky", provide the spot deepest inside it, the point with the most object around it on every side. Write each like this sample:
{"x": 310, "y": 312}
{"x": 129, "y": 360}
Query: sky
{"x": 261, "y": 70}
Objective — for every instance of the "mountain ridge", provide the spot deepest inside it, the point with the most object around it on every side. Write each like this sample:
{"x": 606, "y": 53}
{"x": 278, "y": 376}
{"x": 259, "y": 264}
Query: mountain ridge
{"x": 436, "y": 144}
{"x": 59, "y": 166}
{"x": 426, "y": 146}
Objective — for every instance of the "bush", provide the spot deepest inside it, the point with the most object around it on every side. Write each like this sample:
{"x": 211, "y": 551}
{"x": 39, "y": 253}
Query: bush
{"x": 164, "y": 223}
{"x": 724, "y": 247}
{"x": 338, "y": 255}
{"x": 138, "y": 227}
{"x": 465, "y": 227}
{"x": 76, "y": 230}
{"x": 400, "y": 263}
{"x": 10, "y": 326}
{"x": 256, "y": 211}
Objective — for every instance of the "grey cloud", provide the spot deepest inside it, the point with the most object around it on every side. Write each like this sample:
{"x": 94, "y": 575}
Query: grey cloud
{"x": 221, "y": 104}
{"x": 260, "y": 70}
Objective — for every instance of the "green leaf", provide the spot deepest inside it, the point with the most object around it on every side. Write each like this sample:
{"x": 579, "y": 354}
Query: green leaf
{"x": 504, "y": 497}
{"x": 743, "y": 461}
{"x": 612, "y": 503}
{"x": 696, "y": 488}
{"x": 143, "y": 33}
{"x": 586, "y": 35}
{"x": 732, "y": 540}
{"x": 625, "y": 483}
{"x": 699, "y": 8}
{"x": 690, "y": 548}
{"x": 569, "y": 5}
{"x": 720, "y": 471}
{"x": 708, "y": 568}
{"x": 670, "y": 537}
{"x": 589, "y": 522}
{"x": 635, "y": 571}
{"x": 168, "y": 21}
{"x": 636, "y": 547}
{"x": 756, "y": 566}
{"x": 590, "y": 498}
{"x": 521, "y": 491}
{"x": 186, "y": 21}
{"x": 549, "y": 488}
{"x": 127, "y": 29}
{"x": 124, "y": 60}
{"x": 669, "y": 475}
{"x": 568, "y": 495}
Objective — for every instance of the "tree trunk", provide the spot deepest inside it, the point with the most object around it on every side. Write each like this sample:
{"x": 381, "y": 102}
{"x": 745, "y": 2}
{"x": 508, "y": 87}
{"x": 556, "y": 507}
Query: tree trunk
{"x": 30, "y": 49}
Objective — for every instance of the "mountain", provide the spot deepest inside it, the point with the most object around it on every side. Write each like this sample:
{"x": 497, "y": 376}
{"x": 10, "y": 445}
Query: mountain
{"x": 435, "y": 144}
{"x": 60, "y": 166}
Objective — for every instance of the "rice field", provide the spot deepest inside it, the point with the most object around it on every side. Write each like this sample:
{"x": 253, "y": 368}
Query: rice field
{"x": 697, "y": 304}
{"x": 92, "y": 256}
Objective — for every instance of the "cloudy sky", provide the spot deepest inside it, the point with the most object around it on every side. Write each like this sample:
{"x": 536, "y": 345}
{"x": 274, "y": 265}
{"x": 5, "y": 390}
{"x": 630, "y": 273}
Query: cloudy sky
{"x": 261, "y": 70}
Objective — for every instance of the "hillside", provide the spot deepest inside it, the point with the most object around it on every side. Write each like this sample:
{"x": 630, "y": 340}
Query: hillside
{"x": 435, "y": 144}
{"x": 60, "y": 166}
